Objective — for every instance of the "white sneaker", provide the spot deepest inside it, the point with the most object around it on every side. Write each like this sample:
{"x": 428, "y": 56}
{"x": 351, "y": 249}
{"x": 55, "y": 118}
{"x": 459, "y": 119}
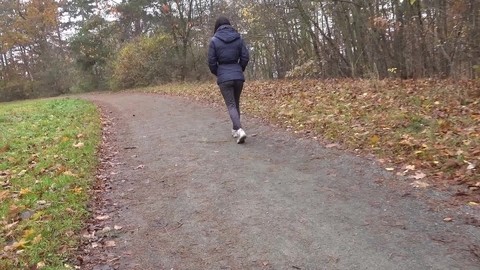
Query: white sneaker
{"x": 241, "y": 136}
{"x": 234, "y": 133}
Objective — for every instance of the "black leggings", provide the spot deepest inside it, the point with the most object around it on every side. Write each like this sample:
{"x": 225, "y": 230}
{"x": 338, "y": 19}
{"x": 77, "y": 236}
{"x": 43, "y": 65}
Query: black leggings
{"x": 231, "y": 91}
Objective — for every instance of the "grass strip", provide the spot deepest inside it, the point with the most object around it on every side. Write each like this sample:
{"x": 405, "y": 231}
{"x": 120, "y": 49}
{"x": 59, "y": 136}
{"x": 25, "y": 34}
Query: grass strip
{"x": 47, "y": 162}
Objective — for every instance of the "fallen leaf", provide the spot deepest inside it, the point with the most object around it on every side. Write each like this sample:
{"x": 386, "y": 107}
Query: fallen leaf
{"x": 4, "y": 148}
{"x": 4, "y": 194}
{"x": 28, "y": 233}
{"x": 37, "y": 239}
{"x": 470, "y": 166}
{"x": 331, "y": 145}
{"x": 14, "y": 209}
{"x": 374, "y": 139}
{"x": 448, "y": 219}
{"x": 410, "y": 167}
{"x": 69, "y": 173}
{"x": 4, "y": 174}
{"x": 78, "y": 145}
{"x": 89, "y": 235}
{"x": 473, "y": 203}
{"x": 25, "y": 191}
{"x": 419, "y": 184}
{"x": 20, "y": 244}
{"x": 110, "y": 243}
{"x": 10, "y": 226}
{"x": 77, "y": 190}
{"x": 104, "y": 217}
{"x": 418, "y": 175}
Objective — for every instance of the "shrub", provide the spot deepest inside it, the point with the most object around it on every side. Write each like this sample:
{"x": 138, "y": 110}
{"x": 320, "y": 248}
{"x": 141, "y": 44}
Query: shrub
{"x": 145, "y": 61}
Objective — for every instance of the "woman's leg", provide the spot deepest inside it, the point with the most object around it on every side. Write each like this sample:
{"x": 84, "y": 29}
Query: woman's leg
{"x": 237, "y": 91}
{"x": 228, "y": 92}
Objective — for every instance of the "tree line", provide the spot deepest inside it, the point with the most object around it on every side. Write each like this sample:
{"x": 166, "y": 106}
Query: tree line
{"x": 50, "y": 47}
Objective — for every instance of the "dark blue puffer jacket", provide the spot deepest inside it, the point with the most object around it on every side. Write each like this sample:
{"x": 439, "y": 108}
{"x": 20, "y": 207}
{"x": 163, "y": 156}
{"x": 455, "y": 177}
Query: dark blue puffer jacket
{"x": 227, "y": 55}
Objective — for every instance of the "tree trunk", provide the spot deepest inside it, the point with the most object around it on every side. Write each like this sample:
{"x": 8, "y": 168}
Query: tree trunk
{"x": 442, "y": 31}
{"x": 399, "y": 39}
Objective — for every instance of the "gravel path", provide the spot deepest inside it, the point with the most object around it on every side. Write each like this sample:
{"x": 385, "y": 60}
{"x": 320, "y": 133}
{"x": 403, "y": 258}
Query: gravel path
{"x": 188, "y": 197}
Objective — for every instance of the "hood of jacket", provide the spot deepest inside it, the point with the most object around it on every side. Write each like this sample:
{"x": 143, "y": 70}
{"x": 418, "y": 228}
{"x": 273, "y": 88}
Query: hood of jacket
{"x": 227, "y": 34}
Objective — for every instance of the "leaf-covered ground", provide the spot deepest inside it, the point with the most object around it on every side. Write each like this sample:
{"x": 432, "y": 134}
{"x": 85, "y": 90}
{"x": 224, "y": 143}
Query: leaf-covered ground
{"x": 47, "y": 161}
{"x": 427, "y": 130}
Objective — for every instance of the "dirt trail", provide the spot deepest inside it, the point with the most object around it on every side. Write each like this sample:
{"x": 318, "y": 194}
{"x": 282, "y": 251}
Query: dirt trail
{"x": 277, "y": 202}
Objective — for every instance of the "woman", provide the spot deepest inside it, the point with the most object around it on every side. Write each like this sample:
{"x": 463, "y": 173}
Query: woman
{"x": 227, "y": 59}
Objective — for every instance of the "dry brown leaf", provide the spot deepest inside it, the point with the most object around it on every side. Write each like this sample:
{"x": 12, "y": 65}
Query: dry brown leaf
{"x": 4, "y": 194}
{"x": 104, "y": 217}
{"x": 110, "y": 243}
{"x": 20, "y": 244}
{"x": 37, "y": 239}
{"x": 89, "y": 235}
{"x": 140, "y": 167}
{"x": 69, "y": 173}
{"x": 410, "y": 167}
{"x": 28, "y": 233}
{"x": 77, "y": 190}
{"x": 331, "y": 145}
{"x": 25, "y": 191}
{"x": 78, "y": 145}
{"x": 418, "y": 176}
{"x": 4, "y": 174}
{"x": 419, "y": 184}
{"x": 41, "y": 202}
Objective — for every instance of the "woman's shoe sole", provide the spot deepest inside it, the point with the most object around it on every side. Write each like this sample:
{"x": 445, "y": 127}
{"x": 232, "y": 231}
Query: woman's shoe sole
{"x": 241, "y": 139}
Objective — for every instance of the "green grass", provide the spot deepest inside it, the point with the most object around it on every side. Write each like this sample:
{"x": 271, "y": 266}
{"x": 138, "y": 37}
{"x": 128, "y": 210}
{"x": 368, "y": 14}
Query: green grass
{"x": 47, "y": 162}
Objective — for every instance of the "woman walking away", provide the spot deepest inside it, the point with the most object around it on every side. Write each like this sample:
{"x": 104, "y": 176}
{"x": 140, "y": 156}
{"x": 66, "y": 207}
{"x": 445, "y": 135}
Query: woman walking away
{"x": 227, "y": 59}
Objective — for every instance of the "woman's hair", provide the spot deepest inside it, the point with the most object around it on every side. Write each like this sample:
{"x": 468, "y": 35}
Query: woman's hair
{"x": 221, "y": 21}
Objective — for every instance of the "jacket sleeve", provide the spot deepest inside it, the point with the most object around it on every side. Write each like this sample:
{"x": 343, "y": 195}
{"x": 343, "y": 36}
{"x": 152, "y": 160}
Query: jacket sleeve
{"x": 212, "y": 58}
{"x": 244, "y": 56}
